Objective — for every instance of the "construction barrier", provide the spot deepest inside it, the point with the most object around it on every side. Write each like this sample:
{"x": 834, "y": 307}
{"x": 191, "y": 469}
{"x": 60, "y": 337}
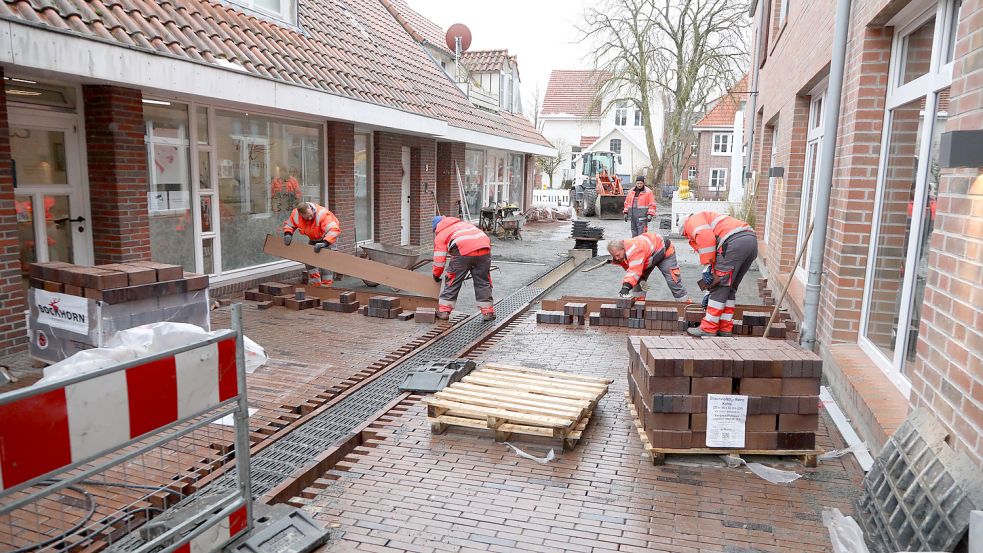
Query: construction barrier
{"x": 560, "y": 197}
{"x": 87, "y": 460}
{"x": 684, "y": 208}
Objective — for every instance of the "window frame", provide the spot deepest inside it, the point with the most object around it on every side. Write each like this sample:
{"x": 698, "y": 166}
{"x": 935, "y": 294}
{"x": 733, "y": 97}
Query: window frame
{"x": 691, "y": 173}
{"x": 716, "y": 172}
{"x": 621, "y": 114}
{"x": 814, "y": 137}
{"x": 929, "y": 86}
{"x": 287, "y": 12}
{"x": 611, "y": 145}
{"x": 726, "y": 139}
{"x": 638, "y": 118}
{"x": 370, "y": 185}
{"x": 771, "y": 182}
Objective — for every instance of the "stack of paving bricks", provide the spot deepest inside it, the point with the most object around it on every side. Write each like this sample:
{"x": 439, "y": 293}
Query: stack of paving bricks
{"x": 383, "y": 307}
{"x": 347, "y": 303}
{"x": 669, "y": 378}
{"x": 116, "y": 283}
{"x": 765, "y": 292}
{"x": 628, "y": 313}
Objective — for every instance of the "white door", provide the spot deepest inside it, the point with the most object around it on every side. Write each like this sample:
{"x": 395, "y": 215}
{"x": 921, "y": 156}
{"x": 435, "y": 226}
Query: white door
{"x": 49, "y": 194}
{"x": 404, "y": 236}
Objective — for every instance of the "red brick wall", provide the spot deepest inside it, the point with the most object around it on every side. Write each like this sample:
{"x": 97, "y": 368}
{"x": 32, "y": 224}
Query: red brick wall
{"x": 948, "y": 373}
{"x": 706, "y": 161}
{"x": 340, "y": 162}
{"x": 387, "y": 174}
{"x": 790, "y": 153}
{"x": 449, "y": 155}
{"x": 761, "y": 163}
{"x": 117, "y": 160}
{"x": 12, "y": 301}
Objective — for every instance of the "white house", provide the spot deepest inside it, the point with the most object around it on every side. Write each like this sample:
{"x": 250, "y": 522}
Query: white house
{"x": 570, "y": 116}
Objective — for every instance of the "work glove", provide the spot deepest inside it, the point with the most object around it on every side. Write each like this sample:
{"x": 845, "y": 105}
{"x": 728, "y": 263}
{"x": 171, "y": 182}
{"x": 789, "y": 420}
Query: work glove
{"x": 436, "y": 278}
{"x": 318, "y": 246}
{"x": 287, "y": 238}
{"x": 706, "y": 299}
{"x": 648, "y": 219}
{"x": 625, "y": 290}
{"x": 626, "y": 217}
{"x": 708, "y": 275}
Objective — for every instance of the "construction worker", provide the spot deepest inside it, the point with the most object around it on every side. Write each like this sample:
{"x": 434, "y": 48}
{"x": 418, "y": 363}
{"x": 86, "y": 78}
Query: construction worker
{"x": 461, "y": 248}
{"x": 640, "y": 255}
{"x": 727, "y": 246}
{"x": 322, "y": 228}
{"x": 639, "y": 207}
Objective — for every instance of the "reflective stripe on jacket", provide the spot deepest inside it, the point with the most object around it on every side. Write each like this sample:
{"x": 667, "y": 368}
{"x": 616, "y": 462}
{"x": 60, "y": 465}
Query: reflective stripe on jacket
{"x": 641, "y": 253}
{"x": 454, "y": 233}
{"x": 323, "y": 226}
{"x": 645, "y": 205}
{"x": 707, "y": 231}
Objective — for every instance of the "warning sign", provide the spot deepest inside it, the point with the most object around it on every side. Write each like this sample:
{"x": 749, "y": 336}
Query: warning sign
{"x": 726, "y": 415}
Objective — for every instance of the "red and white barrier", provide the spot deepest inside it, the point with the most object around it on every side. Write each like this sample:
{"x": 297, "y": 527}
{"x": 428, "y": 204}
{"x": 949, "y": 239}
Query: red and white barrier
{"x": 218, "y": 535}
{"x": 44, "y": 432}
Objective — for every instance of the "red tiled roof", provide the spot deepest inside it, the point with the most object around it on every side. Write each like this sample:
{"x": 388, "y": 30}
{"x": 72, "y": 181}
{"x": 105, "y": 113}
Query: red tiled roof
{"x": 722, "y": 114}
{"x": 572, "y": 92}
{"x": 484, "y": 61}
{"x": 430, "y": 32}
{"x": 586, "y": 141}
{"x": 357, "y": 49}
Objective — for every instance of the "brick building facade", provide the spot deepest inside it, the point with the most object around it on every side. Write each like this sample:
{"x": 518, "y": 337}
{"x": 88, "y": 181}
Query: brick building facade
{"x": 195, "y": 156}
{"x": 899, "y": 321}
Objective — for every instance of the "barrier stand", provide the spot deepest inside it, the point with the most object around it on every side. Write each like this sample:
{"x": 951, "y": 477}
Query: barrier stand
{"x": 86, "y": 462}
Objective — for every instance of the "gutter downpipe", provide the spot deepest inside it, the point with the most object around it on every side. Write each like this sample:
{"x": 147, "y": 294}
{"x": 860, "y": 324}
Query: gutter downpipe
{"x": 754, "y": 96}
{"x": 830, "y": 126}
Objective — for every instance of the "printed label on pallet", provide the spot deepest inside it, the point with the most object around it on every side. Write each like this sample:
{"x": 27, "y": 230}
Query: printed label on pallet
{"x": 726, "y": 415}
{"x": 62, "y": 311}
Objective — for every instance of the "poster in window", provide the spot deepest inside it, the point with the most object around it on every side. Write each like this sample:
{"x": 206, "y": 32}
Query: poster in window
{"x": 167, "y": 165}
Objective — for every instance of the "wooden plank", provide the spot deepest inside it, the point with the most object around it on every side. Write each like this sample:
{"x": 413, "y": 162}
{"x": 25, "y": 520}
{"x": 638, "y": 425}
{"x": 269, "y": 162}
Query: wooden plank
{"x": 527, "y": 387}
{"x": 346, "y": 264}
{"x": 574, "y": 434}
{"x": 492, "y": 401}
{"x": 518, "y": 395}
{"x": 454, "y": 408}
{"x": 544, "y": 379}
{"x": 544, "y": 384}
{"x": 569, "y": 376}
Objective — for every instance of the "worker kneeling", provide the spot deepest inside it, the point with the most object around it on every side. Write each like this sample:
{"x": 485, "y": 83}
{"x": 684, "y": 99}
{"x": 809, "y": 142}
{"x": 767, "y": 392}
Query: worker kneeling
{"x": 728, "y": 246}
{"x": 460, "y": 248}
{"x": 639, "y": 207}
{"x": 321, "y": 226}
{"x": 640, "y": 256}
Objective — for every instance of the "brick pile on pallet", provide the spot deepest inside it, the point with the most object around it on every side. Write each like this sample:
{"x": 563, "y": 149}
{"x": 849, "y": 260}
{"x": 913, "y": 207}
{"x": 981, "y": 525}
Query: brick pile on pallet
{"x": 117, "y": 282}
{"x": 669, "y": 378}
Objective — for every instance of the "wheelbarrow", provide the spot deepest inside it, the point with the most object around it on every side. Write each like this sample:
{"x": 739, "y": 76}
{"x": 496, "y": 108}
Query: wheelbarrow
{"x": 395, "y": 256}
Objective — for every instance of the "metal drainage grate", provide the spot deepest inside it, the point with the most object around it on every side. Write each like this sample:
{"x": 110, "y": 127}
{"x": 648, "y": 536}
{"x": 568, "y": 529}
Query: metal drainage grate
{"x": 919, "y": 493}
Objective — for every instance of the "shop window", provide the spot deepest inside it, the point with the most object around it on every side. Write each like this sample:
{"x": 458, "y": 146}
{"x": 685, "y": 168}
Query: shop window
{"x": 172, "y": 232}
{"x": 265, "y": 168}
{"x": 363, "y": 188}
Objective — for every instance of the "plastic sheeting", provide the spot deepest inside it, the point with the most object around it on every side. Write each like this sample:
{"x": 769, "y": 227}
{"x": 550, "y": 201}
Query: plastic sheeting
{"x": 773, "y": 475}
{"x": 142, "y": 341}
{"x": 844, "y": 532}
{"x": 541, "y": 460}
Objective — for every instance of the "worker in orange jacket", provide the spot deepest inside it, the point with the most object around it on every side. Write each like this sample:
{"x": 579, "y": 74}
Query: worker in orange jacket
{"x": 460, "y": 248}
{"x": 317, "y": 223}
{"x": 639, "y": 206}
{"x": 640, "y": 255}
{"x": 727, "y": 246}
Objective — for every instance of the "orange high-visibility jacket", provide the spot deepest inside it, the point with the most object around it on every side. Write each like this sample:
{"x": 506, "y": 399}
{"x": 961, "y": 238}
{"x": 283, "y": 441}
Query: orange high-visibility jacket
{"x": 707, "y": 231}
{"x": 646, "y": 200}
{"x": 640, "y": 254}
{"x": 324, "y": 225}
{"x": 454, "y": 233}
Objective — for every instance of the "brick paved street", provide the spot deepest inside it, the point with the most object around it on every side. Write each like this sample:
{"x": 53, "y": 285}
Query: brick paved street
{"x": 461, "y": 491}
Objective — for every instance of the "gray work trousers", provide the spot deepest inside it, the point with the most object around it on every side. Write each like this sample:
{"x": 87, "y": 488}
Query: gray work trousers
{"x": 670, "y": 270}
{"x": 639, "y": 220}
{"x": 733, "y": 261}
{"x": 457, "y": 269}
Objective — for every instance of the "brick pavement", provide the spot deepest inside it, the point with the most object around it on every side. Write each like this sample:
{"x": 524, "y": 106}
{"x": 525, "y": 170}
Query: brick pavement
{"x": 461, "y": 491}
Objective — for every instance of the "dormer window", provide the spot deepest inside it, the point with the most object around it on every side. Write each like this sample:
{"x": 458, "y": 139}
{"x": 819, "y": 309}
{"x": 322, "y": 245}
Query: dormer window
{"x": 284, "y": 10}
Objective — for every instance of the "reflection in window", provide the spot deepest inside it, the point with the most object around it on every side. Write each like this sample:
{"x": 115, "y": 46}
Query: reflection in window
{"x": 39, "y": 156}
{"x": 515, "y": 179}
{"x": 169, "y": 194}
{"x": 265, "y": 168}
{"x": 916, "y": 52}
{"x": 893, "y": 225}
{"x": 474, "y": 164}
{"x": 363, "y": 189}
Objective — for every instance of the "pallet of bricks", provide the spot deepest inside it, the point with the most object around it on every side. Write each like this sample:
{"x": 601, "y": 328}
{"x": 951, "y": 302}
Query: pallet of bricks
{"x": 75, "y": 307}
{"x": 670, "y": 378}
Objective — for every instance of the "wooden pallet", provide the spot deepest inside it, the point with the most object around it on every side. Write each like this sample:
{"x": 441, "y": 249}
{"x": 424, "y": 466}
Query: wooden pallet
{"x": 808, "y": 457}
{"x": 518, "y": 400}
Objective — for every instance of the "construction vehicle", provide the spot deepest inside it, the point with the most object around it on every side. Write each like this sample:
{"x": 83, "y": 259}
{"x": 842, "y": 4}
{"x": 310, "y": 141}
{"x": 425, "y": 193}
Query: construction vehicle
{"x": 600, "y": 186}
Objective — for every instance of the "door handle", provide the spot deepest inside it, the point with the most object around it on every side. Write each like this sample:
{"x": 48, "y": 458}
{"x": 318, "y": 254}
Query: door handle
{"x": 60, "y": 223}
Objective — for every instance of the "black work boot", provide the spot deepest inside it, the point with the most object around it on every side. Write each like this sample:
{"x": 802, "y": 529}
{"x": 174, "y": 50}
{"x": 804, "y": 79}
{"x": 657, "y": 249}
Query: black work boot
{"x": 488, "y": 316}
{"x": 443, "y": 315}
{"x": 698, "y": 332}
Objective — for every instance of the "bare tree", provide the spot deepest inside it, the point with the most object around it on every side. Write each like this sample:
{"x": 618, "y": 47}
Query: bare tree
{"x": 535, "y": 106}
{"x": 549, "y": 164}
{"x": 681, "y": 53}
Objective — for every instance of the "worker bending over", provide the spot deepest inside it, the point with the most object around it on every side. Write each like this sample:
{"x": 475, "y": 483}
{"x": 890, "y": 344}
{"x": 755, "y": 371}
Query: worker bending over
{"x": 640, "y": 256}
{"x": 460, "y": 248}
{"x": 639, "y": 206}
{"x": 322, "y": 228}
{"x": 728, "y": 246}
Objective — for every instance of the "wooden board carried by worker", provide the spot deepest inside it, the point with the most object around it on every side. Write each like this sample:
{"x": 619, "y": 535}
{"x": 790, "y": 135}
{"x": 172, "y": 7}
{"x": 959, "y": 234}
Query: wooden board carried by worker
{"x": 420, "y": 283}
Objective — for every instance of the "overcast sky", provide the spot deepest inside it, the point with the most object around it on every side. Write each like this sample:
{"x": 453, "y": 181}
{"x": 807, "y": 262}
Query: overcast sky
{"x": 542, "y": 33}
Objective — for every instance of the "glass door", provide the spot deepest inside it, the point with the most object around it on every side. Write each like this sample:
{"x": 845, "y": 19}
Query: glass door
{"x": 52, "y": 216}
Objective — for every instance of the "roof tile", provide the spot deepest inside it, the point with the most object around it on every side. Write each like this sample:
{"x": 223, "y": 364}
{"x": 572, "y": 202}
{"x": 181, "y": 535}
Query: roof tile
{"x": 722, "y": 114}
{"x": 572, "y": 92}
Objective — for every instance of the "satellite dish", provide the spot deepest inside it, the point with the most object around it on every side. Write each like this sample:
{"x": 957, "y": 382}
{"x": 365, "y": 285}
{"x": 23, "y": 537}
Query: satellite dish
{"x": 458, "y": 30}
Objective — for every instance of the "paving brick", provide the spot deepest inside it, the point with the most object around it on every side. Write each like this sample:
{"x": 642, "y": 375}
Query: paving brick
{"x": 800, "y": 387}
{"x": 702, "y": 386}
{"x": 760, "y": 386}
{"x": 788, "y": 422}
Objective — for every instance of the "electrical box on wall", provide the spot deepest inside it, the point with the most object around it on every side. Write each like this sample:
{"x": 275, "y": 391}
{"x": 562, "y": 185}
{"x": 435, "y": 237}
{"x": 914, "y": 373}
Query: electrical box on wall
{"x": 961, "y": 149}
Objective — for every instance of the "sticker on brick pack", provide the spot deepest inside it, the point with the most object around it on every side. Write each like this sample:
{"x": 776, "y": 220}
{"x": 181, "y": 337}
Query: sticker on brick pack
{"x": 62, "y": 311}
{"x": 725, "y": 420}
